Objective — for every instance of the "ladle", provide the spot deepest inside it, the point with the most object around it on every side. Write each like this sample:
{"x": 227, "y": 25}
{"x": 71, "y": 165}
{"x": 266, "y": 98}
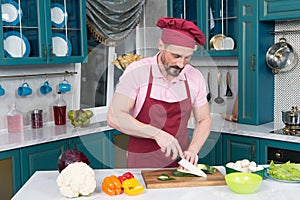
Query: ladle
{"x": 219, "y": 99}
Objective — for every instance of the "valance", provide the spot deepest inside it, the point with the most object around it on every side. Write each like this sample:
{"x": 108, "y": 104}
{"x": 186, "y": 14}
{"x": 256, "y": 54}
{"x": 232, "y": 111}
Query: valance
{"x": 111, "y": 21}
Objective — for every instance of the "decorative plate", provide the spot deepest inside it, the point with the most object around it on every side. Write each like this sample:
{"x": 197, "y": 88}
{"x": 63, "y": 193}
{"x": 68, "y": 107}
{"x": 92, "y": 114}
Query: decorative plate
{"x": 59, "y": 15}
{"x": 215, "y": 41}
{"x": 16, "y": 45}
{"x": 276, "y": 179}
{"x": 61, "y": 45}
{"x": 11, "y": 12}
{"x": 227, "y": 43}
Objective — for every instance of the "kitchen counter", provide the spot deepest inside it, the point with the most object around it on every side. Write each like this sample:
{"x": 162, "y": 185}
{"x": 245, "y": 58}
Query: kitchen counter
{"x": 51, "y": 132}
{"x": 42, "y": 185}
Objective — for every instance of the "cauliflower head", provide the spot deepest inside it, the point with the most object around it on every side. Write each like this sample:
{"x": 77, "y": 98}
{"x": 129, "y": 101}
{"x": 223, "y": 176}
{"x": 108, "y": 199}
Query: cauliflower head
{"x": 77, "y": 179}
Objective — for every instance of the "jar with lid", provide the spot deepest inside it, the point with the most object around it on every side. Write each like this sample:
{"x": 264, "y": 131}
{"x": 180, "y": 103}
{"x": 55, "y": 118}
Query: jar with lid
{"x": 59, "y": 110}
{"x": 36, "y": 118}
{"x": 14, "y": 120}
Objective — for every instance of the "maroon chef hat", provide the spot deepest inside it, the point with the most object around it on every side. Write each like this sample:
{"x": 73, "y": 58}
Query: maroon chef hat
{"x": 180, "y": 32}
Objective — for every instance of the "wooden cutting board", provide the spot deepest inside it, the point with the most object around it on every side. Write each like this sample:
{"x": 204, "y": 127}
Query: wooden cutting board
{"x": 151, "y": 181}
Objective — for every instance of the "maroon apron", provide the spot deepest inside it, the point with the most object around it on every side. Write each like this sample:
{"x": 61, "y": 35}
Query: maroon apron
{"x": 170, "y": 117}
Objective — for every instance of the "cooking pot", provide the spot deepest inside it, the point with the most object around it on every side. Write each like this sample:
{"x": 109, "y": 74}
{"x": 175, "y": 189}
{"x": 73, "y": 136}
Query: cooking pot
{"x": 291, "y": 117}
{"x": 281, "y": 57}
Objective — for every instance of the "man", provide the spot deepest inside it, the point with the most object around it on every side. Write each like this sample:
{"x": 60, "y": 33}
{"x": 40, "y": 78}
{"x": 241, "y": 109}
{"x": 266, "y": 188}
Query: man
{"x": 154, "y": 99}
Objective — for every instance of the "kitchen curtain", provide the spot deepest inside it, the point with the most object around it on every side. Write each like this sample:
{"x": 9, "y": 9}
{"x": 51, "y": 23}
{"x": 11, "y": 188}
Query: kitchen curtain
{"x": 111, "y": 21}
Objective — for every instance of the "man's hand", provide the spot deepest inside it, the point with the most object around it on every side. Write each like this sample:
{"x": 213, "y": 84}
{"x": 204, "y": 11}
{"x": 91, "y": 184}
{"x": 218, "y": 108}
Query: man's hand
{"x": 191, "y": 157}
{"x": 169, "y": 145}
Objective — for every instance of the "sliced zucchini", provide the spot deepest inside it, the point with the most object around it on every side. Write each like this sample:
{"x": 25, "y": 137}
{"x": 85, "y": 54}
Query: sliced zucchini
{"x": 165, "y": 177}
{"x": 180, "y": 172}
{"x": 205, "y": 168}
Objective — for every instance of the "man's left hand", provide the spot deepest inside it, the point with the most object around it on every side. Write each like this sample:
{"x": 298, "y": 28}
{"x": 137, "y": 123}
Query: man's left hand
{"x": 191, "y": 157}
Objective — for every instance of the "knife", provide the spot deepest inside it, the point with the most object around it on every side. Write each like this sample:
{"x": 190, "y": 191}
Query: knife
{"x": 192, "y": 168}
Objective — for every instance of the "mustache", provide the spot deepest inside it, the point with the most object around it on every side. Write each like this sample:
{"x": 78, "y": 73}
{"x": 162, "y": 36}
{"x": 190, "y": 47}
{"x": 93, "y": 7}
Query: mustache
{"x": 174, "y": 67}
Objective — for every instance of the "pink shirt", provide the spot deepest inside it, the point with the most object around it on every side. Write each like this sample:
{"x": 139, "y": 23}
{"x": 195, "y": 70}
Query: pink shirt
{"x": 134, "y": 83}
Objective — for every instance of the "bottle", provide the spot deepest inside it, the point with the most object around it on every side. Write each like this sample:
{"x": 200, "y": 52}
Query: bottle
{"x": 59, "y": 110}
{"x": 14, "y": 120}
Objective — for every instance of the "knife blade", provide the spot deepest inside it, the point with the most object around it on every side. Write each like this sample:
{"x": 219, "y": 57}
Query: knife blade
{"x": 192, "y": 168}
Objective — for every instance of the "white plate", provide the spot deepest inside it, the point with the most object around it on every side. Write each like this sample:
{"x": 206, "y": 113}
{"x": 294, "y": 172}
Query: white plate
{"x": 227, "y": 43}
{"x": 61, "y": 45}
{"x": 58, "y": 15}
{"x": 11, "y": 14}
{"x": 16, "y": 45}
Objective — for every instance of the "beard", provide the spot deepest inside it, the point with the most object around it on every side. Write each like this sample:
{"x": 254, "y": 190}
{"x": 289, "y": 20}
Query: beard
{"x": 172, "y": 70}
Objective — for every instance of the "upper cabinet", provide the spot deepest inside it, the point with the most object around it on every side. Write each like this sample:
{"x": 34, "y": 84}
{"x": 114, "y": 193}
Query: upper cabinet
{"x": 255, "y": 79}
{"x": 279, "y": 9}
{"x": 217, "y": 19}
{"x": 42, "y": 32}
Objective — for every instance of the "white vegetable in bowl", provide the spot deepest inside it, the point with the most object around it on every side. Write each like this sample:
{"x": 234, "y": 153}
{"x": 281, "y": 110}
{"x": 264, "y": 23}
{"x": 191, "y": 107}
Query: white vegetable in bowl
{"x": 244, "y": 166}
{"x": 245, "y": 163}
{"x": 76, "y": 179}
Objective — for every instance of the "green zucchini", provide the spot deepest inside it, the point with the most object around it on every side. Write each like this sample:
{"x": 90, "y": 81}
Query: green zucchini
{"x": 205, "y": 168}
{"x": 165, "y": 177}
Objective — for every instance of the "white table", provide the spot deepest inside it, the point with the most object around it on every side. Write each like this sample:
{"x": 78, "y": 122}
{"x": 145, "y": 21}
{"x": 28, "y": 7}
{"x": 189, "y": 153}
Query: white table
{"x": 42, "y": 186}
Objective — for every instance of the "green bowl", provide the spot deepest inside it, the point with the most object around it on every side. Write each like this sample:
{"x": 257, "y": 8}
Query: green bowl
{"x": 260, "y": 172}
{"x": 242, "y": 182}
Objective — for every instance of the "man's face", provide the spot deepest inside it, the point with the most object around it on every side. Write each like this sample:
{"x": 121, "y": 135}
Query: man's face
{"x": 174, "y": 58}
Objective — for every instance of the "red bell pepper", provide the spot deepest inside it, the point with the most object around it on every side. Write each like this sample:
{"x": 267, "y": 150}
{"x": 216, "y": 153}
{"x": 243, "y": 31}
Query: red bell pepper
{"x": 125, "y": 176}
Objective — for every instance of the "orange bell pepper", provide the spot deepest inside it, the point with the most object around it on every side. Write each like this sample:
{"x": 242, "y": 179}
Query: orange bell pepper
{"x": 132, "y": 187}
{"x": 111, "y": 185}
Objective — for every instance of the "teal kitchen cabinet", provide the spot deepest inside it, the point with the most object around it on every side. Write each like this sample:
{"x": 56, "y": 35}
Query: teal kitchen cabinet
{"x": 266, "y": 144}
{"x": 240, "y": 147}
{"x": 46, "y": 32}
{"x": 279, "y": 9}
{"x": 97, "y": 147}
{"x": 40, "y": 157}
{"x": 211, "y": 151}
{"x": 215, "y": 18}
{"x": 256, "y": 80}
{"x": 10, "y": 173}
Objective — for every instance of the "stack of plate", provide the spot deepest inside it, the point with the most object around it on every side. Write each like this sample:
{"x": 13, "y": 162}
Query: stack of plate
{"x": 61, "y": 45}
{"x": 221, "y": 42}
{"x": 16, "y": 45}
{"x": 11, "y": 12}
{"x": 59, "y": 15}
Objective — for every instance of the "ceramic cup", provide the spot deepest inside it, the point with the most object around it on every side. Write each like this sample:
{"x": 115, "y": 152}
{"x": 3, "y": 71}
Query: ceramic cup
{"x": 2, "y": 91}
{"x": 64, "y": 86}
{"x": 45, "y": 88}
{"x": 24, "y": 90}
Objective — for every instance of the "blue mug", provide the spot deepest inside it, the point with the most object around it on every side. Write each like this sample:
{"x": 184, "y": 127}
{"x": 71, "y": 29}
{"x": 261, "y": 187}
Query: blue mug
{"x": 24, "y": 90}
{"x": 45, "y": 88}
{"x": 64, "y": 86}
{"x": 2, "y": 91}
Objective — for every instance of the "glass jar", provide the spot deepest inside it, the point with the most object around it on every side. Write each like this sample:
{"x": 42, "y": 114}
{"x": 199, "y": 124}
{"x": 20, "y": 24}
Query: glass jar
{"x": 37, "y": 118}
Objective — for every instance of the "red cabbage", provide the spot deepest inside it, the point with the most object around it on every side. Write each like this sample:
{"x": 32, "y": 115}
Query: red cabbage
{"x": 70, "y": 156}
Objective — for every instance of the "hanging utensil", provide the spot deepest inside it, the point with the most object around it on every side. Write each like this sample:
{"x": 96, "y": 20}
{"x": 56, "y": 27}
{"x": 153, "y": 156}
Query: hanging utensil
{"x": 281, "y": 57}
{"x": 228, "y": 90}
{"x": 208, "y": 96}
{"x": 219, "y": 99}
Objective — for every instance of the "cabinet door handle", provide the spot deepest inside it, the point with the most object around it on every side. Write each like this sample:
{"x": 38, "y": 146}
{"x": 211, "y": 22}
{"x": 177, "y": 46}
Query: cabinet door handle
{"x": 253, "y": 150}
{"x": 252, "y": 62}
{"x": 51, "y": 51}
{"x": 45, "y": 52}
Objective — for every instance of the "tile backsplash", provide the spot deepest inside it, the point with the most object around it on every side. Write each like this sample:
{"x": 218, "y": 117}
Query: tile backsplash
{"x": 36, "y": 100}
{"x": 287, "y": 85}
